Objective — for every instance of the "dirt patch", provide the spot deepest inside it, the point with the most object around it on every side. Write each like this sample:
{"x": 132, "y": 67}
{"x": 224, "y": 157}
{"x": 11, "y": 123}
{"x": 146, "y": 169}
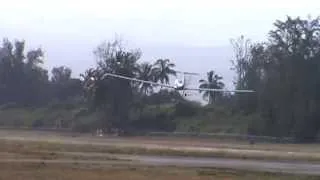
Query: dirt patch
{"x": 37, "y": 147}
{"x": 39, "y": 171}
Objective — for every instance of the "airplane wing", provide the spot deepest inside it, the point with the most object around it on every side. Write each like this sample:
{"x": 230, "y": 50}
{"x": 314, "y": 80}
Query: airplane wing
{"x": 172, "y": 87}
{"x": 218, "y": 90}
{"x": 188, "y": 73}
{"x": 137, "y": 80}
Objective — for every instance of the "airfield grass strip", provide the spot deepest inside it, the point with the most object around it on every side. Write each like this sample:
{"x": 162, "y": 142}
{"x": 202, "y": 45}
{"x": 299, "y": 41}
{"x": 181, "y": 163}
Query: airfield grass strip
{"x": 38, "y": 171}
{"x": 23, "y": 147}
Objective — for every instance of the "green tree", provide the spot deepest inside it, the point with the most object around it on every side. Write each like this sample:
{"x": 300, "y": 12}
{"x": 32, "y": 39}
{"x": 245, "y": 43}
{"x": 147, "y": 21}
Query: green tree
{"x": 63, "y": 86}
{"x": 115, "y": 95}
{"x": 248, "y": 63}
{"x": 61, "y": 74}
{"x": 23, "y": 80}
{"x": 213, "y": 82}
{"x": 285, "y": 73}
{"x": 146, "y": 73}
{"x": 163, "y": 69}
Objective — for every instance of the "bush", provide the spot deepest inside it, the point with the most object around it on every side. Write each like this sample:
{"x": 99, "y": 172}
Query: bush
{"x": 214, "y": 119}
{"x": 186, "y": 109}
{"x": 85, "y": 121}
{"x": 155, "y": 118}
{"x": 38, "y": 123}
{"x": 18, "y": 123}
{"x": 82, "y": 128}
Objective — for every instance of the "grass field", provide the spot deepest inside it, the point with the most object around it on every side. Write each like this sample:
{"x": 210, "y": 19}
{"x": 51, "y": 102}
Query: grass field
{"x": 177, "y": 146}
{"x": 31, "y": 147}
{"x": 35, "y": 171}
{"x": 60, "y": 159}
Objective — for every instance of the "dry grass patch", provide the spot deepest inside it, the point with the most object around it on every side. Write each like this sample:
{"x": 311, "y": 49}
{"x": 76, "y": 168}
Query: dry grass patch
{"x": 38, "y": 171}
{"x": 31, "y": 148}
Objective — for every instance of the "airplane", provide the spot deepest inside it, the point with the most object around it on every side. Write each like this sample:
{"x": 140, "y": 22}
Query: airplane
{"x": 179, "y": 84}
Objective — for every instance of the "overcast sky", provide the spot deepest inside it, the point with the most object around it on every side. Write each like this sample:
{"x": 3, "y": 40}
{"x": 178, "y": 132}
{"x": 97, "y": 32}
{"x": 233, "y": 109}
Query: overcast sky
{"x": 195, "y": 34}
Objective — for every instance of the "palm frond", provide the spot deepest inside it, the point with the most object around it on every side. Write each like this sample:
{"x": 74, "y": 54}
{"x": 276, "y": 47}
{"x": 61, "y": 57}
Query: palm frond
{"x": 166, "y": 61}
{"x": 171, "y": 72}
{"x": 205, "y": 95}
{"x": 166, "y": 79}
{"x": 203, "y": 86}
{"x": 220, "y": 85}
{"x": 171, "y": 65}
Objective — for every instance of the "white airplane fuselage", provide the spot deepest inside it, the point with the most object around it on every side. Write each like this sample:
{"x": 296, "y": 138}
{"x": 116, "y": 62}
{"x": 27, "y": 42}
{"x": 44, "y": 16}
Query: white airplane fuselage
{"x": 179, "y": 84}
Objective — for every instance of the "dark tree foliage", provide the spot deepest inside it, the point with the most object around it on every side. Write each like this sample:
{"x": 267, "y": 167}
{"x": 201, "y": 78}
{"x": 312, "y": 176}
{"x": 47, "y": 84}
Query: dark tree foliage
{"x": 163, "y": 68}
{"x": 24, "y": 82}
{"x": 117, "y": 97}
{"x": 61, "y": 74}
{"x": 22, "y": 79}
{"x": 146, "y": 73}
{"x": 285, "y": 73}
{"x": 63, "y": 86}
{"x": 214, "y": 81}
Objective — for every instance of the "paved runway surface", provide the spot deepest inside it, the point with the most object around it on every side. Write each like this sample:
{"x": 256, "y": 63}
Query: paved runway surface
{"x": 271, "y": 166}
{"x": 285, "y": 167}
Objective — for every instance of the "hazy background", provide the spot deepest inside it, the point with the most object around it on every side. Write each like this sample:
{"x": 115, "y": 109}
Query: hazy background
{"x": 194, "y": 34}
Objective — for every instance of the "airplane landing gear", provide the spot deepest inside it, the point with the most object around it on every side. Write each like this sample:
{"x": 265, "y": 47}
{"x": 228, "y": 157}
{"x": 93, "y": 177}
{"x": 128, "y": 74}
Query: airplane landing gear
{"x": 185, "y": 94}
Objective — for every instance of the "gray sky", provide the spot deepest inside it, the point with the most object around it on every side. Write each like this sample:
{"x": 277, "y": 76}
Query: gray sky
{"x": 195, "y": 34}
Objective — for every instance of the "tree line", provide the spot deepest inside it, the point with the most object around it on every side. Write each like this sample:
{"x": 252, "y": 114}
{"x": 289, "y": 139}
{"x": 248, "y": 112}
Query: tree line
{"x": 284, "y": 71}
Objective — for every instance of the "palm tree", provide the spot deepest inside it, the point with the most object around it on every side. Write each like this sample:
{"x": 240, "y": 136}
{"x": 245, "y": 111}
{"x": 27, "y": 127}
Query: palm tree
{"x": 119, "y": 93}
{"x": 61, "y": 74}
{"x": 34, "y": 58}
{"x": 146, "y": 73}
{"x": 213, "y": 82}
{"x": 163, "y": 69}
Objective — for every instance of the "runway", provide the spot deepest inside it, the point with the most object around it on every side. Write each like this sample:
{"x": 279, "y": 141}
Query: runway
{"x": 209, "y": 162}
{"x": 251, "y": 165}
